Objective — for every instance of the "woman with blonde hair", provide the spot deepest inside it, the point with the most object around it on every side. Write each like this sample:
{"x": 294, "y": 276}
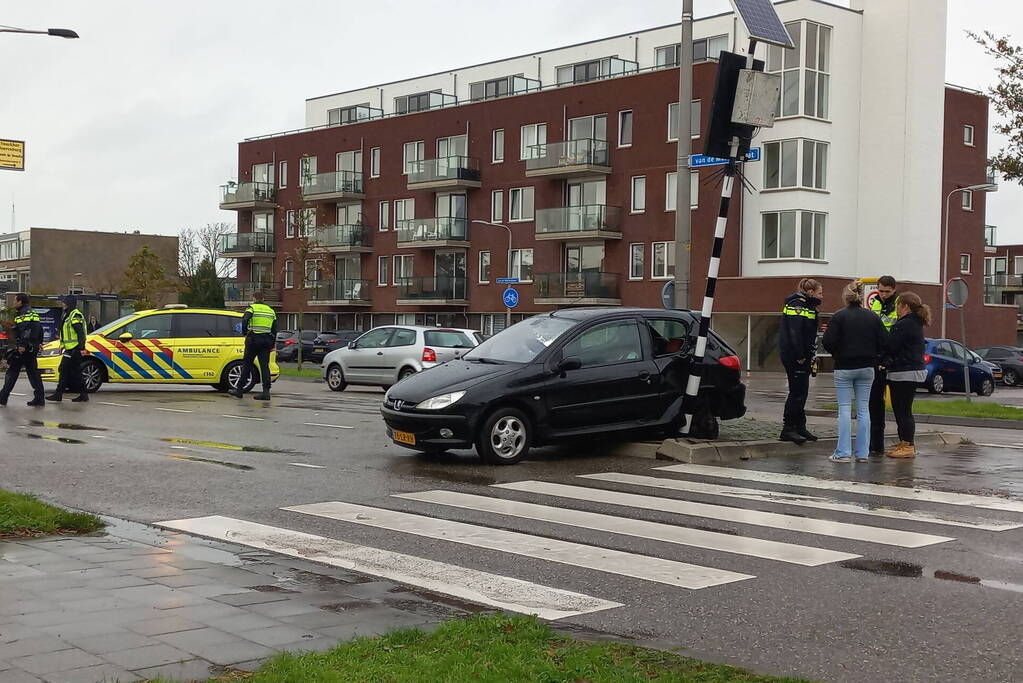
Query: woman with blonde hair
{"x": 904, "y": 358}
{"x": 855, "y": 338}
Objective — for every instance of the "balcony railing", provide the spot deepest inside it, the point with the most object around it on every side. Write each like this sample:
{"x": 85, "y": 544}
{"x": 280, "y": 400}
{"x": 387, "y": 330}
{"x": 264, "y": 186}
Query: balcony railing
{"x": 348, "y": 291}
{"x": 432, "y": 230}
{"x": 341, "y": 237}
{"x": 332, "y": 185}
{"x": 570, "y": 157}
{"x": 247, "y": 243}
{"x": 567, "y": 287}
{"x": 238, "y": 291}
{"x": 1004, "y": 280}
{"x": 247, "y": 195}
{"x": 585, "y": 221}
{"x": 445, "y": 171}
{"x": 442, "y": 288}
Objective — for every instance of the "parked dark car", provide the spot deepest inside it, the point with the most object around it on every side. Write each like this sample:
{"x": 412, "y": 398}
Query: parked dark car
{"x": 570, "y": 373}
{"x": 287, "y": 348}
{"x": 326, "y": 342}
{"x": 1010, "y": 358}
{"x": 945, "y": 359}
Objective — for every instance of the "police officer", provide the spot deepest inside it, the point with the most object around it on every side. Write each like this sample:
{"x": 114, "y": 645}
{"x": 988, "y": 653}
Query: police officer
{"x": 883, "y": 305}
{"x": 72, "y": 340}
{"x": 259, "y": 325}
{"x": 27, "y": 335}
{"x": 796, "y": 340}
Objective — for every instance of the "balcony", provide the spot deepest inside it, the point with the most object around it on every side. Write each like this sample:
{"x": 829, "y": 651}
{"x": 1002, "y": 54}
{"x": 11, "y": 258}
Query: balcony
{"x": 568, "y": 159}
{"x": 344, "y": 239}
{"x": 445, "y": 173}
{"x": 594, "y": 221}
{"x": 340, "y": 293}
{"x": 340, "y": 186}
{"x": 587, "y": 288}
{"x": 247, "y": 245}
{"x": 238, "y": 293}
{"x": 443, "y": 290}
{"x": 245, "y": 196}
{"x": 430, "y": 233}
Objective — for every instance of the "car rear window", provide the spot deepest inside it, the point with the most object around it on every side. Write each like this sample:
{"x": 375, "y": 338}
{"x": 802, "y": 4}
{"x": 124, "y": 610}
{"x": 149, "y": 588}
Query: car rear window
{"x": 449, "y": 339}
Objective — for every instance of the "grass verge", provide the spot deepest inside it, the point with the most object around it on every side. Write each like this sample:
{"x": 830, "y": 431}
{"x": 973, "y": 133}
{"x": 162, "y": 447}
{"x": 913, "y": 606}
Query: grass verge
{"x": 304, "y": 372}
{"x": 25, "y": 515}
{"x": 497, "y": 648}
{"x": 957, "y": 408}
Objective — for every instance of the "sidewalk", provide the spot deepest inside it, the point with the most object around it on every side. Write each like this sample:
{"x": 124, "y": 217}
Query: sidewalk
{"x": 137, "y": 603}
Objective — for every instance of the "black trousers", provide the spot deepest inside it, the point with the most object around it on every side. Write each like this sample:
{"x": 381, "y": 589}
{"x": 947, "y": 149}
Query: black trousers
{"x": 877, "y": 411}
{"x": 15, "y": 363}
{"x": 70, "y": 372}
{"x": 258, "y": 348}
{"x": 799, "y": 388}
{"x": 902, "y": 406}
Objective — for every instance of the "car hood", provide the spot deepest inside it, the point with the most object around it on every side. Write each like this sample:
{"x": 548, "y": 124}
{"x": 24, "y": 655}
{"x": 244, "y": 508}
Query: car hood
{"x": 456, "y": 375}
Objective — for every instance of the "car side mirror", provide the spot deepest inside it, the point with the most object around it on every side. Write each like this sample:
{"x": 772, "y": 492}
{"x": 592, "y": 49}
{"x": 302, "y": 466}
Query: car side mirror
{"x": 351, "y": 345}
{"x": 126, "y": 336}
{"x": 570, "y": 363}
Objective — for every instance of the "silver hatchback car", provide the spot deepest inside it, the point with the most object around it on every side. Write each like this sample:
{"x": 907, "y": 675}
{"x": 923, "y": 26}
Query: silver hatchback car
{"x": 385, "y": 355}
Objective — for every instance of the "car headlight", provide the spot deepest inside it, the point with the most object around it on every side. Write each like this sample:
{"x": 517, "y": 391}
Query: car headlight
{"x": 47, "y": 353}
{"x": 442, "y": 401}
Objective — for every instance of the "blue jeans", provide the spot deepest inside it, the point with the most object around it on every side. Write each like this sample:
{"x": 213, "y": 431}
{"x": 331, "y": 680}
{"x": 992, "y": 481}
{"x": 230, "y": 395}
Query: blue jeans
{"x": 847, "y": 384}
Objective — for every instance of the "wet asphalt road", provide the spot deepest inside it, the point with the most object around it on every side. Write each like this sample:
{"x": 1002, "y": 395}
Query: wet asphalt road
{"x": 949, "y": 611}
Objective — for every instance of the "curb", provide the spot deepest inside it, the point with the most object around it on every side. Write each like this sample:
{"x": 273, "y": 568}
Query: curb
{"x": 706, "y": 452}
{"x": 982, "y": 422}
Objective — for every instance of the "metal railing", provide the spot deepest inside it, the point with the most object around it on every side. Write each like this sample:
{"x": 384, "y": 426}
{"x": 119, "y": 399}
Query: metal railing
{"x": 567, "y": 153}
{"x": 239, "y": 290}
{"x": 332, "y": 183}
{"x": 247, "y": 241}
{"x": 579, "y": 219}
{"x": 445, "y": 287}
{"x": 1003, "y": 280}
{"x": 235, "y": 193}
{"x": 433, "y": 229}
{"x": 585, "y": 285}
{"x": 344, "y": 236}
{"x": 340, "y": 290}
{"x": 444, "y": 168}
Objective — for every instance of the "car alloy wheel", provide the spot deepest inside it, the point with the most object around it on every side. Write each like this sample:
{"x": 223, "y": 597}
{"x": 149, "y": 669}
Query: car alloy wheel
{"x": 335, "y": 378}
{"x": 504, "y": 437}
{"x": 937, "y": 384}
{"x": 1010, "y": 378}
{"x": 508, "y": 437}
{"x": 234, "y": 376}
{"x": 407, "y": 372}
{"x": 987, "y": 387}
{"x": 92, "y": 376}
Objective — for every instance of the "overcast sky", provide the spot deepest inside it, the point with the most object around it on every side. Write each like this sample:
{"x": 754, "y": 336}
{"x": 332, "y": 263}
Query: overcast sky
{"x": 135, "y": 126}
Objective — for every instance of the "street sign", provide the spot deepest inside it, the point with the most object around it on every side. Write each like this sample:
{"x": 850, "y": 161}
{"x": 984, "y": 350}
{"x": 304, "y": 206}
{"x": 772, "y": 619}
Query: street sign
{"x": 668, "y": 295}
{"x": 506, "y": 280}
{"x": 12, "y": 155}
{"x": 701, "y": 160}
{"x": 511, "y": 298}
{"x": 956, "y": 292}
{"x": 762, "y": 22}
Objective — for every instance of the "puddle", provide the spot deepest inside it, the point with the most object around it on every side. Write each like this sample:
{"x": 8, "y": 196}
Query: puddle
{"x": 232, "y": 465}
{"x": 49, "y": 437}
{"x": 223, "y": 446}
{"x": 426, "y": 609}
{"x": 65, "y": 425}
{"x": 349, "y": 605}
{"x": 916, "y": 571}
{"x": 269, "y": 588}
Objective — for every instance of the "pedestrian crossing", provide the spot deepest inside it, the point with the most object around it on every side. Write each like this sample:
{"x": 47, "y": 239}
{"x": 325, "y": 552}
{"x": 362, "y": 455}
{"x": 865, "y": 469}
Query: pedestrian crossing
{"x": 561, "y": 533}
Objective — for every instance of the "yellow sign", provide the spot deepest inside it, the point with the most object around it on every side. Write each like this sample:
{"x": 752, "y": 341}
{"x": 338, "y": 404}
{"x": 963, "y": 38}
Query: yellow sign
{"x": 12, "y": 155}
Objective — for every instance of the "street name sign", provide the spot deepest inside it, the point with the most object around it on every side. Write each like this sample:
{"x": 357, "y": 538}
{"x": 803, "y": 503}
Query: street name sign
{"x": 701, "y": 160}
{"x": 506, "y": 280}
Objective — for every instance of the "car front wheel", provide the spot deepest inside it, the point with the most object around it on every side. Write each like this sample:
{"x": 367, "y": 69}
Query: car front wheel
{"x": 987, "y": 387}
{"x": 92, "y": 375}
{"x": 505, "y": 437}
{"x": 1010, "y": 378}
{"x": 336, "y": 378}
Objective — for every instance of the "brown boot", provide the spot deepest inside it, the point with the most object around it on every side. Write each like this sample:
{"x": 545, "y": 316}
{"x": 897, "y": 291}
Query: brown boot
{"x": 903, "y": 450}
{"x": 889, "y": 451}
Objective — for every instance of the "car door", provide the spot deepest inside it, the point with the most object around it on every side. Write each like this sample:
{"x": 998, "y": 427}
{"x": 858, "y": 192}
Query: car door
{"x": 364, "y": 362}
{"x": 947, "y": 365}
{"x": 198, "y": 346}
{"x": 403, "y": 349}
{"x": 123, "y": 351}
{"x": 616, "y": 385}
{"x": 671, "y": 351}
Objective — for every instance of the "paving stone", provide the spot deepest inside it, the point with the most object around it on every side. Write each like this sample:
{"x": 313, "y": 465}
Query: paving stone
{"x": 123, "y": 615}
{"x": 18, "y": 676}
{"x": 279, "y": 610}
{"x": 63, "y": 660}
{"x": 27, "y": 607}
{"x": 252, "y": 598}
{"x": 226, "y": 654}
{"x": 4, "y": 666}
{"x": 189, "y": 563}
{"x": 185, "y": 578}
{"x": 322, "y": 620}
{"x": 191, "y": 670}
{"x": 124, "y": 581}
{"x": 233, "y": 576}
{"x": 145, "y": 657}
{"x": 320, "y": 644}
{"x": 81, "y": 629}
{"x": 204, "y": 613}
{"x": 31, "y": 646}
{"x": 162, "y": 570}
{"x": 178, "y": 599}
{"x": 77, "y": 593}
{"x": 11, "y": 632}
{"x": 155, "y": 627}
{"x": 142, "y": 594}
{"x": 92, "y": 674}
{"x": 214, "y": 589}
{"x": 198, "y": 639}
{"x": 276, "y": 636}
{"x": 52, "y": 618}
{"x": 137, "y": 562}
{"x": 107, "y": 602}
{"x": 243, "y": 622}
{"x": 112, "y": 642}
{"x": 249, "y": 666}
{"x": 371, "y": 589}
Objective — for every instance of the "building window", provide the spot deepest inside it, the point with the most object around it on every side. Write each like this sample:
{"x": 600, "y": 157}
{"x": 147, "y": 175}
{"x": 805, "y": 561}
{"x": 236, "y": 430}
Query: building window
{"x": 663, "y": 266}
{"x": 306, "y": 222}
{"x": 967, "y": 200}
{"x": 667, "y": 56}
{"x": 522, "y": 264}
{"x": 815, "y": 53}
{"x": 497, "y": 153}
{"x": 636, "y": 252}
{"x": 625, "y": 129}
{"x": 345, "y": 115}
{"x": 382, "y": 271}
{"x": 402, "y": 268}
{"x": 289, "y": 223}
{"x": 374, "y": 162}
{"x": 497, "y": 205}
{"x": 695, "y": 110}
{"x": 964, "y": 263}
{"x": 289, "y": 274}
{"x": 284, "y": 174}
{"x": 786, "y": 62}
{"x": 484, "y": 275}
{"x": 593, "y": 69}
{"x": 1018, "y": 265}
{"x": 967, "y": 136}
{"x": 412, "y": 152}
{"x": 990, "y": 235}
{"x": 638, "y": 194}
{"x": 312, "y": 272}
{"x": 531, "y": 135}
{"x": 407, "y": 104}
{"x": 815, "y": 164}
{"x": 307, "y": 169}
{"x": 703, "y": 49}
{"x": 781, "y": 159}
{"x": 385, "y": 215}
{"x": 485, "y": 90}
{"x": 671, "y": 190}
{"x": 404, "y": 209}
{"x": 520, "y": 204}
{"x": 794, "y": 234}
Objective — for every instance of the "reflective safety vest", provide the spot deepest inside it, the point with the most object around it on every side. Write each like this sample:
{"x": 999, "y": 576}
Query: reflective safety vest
{"x": 68, "y": 335}
{"x": 809, "y": 313}
{"x": 262, "y": 319}
{"x": 30, "y": 317}
{"x": 887, "y": 319}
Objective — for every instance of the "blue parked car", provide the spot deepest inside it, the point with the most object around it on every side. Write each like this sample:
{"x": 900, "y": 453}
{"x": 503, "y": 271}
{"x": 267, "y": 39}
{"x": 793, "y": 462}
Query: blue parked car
{"x": 945, "y": 359}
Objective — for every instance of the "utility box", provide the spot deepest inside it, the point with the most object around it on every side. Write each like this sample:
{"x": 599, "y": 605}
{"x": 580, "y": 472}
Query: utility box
{"x": 756, "y": 98}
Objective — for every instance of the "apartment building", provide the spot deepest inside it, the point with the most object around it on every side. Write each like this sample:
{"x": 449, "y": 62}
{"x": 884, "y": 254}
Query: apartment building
{"x": 574, "y": 149}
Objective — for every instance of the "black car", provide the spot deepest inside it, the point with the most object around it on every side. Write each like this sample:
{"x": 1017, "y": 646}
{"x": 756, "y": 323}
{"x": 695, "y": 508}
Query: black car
{"x": 326, "y": 342}
{"x": 1010, "y": 358}
{"x": 287, "y": 348}
{"x": 570, "y": 373}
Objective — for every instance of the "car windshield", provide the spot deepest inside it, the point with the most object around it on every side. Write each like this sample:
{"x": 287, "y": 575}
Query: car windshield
{"x": 449, "y": 339}
{"x": 110, "y": 326}
{"x": 521, "y": 342}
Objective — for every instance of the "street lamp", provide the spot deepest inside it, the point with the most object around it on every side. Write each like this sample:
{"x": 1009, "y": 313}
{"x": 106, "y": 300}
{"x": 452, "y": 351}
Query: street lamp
{"x": 507, "y": 270}
{"x": 983, "y": 187}
{"x": 56, "y": 32}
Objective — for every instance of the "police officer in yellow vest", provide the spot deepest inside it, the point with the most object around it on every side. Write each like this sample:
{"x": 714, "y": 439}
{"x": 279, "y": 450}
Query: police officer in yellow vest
{"x": 883, "y": 305}
{"x": 27, "y": 337}
{"x": 72, "y": 341}
{"x": 259, "y": 325}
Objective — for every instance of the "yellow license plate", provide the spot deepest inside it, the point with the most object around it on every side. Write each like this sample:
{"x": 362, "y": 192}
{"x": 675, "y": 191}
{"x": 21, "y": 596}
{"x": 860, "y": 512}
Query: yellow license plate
{"x": 405, "y": 437}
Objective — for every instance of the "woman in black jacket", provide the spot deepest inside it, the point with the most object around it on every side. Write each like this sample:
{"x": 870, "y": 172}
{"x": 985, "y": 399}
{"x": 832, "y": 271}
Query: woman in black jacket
{"x": 796, "y": 339}
{"x": 904, "y": 358}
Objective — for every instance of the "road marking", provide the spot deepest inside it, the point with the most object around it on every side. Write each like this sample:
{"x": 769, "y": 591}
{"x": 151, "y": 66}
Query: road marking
{"x": 655, "y": 531}
{"x": 242, "y": 417}
{"x": 320, "y": 424}
{"x": 643, "y": 567}
{"x": 926, "y": 495}
{"x": 302, "y": 464}
{"x": 1012, "y": 446}
{"x": 98, "y": 436}
{"x": 108, "y": 403}
{"x": 795, "y": 499}
{"x": 173, "y": 410}
{"x": 822, "y": 527}
{"x": 502, "y": 592}
{"x": 15, "y": 393}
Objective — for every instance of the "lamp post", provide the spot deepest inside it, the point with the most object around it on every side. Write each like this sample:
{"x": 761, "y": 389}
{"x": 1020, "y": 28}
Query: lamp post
{"x": 507, "y": 269}
{"x": 684, "y": 218}
{"x": 56, "y": 32}
{"x": 983, "y": 187}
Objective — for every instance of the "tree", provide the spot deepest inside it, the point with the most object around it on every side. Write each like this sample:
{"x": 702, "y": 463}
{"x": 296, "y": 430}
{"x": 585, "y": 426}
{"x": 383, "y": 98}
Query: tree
{"x": 145, "y": 279}
{"x": 196, "y": 245}
{"x": 305, "y": 247}
{"x": 204, "y": 289}
{"x": 1007, "y": 97}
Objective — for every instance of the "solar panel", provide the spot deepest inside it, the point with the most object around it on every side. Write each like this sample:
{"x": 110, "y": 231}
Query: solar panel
{"x": 762, "y": 22}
